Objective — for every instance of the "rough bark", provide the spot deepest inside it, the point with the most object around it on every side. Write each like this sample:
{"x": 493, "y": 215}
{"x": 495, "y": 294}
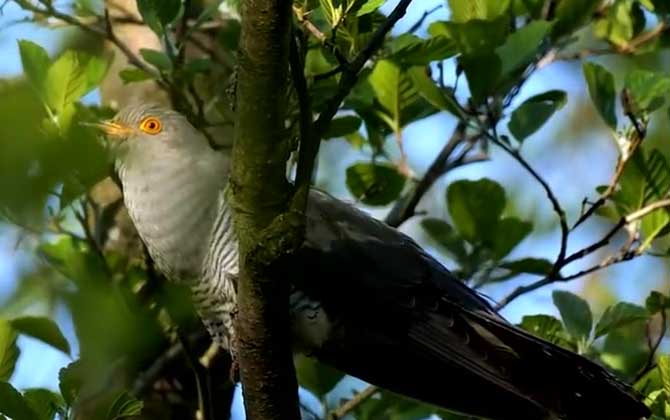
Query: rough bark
{"x": 260, "y": 194}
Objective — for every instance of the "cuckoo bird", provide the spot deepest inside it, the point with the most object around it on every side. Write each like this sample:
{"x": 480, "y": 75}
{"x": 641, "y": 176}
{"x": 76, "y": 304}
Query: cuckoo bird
{"x": 365, "y": 298}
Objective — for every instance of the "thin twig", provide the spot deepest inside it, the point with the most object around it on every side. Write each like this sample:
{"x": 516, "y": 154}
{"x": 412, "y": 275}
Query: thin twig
{"x": 351, "y": 404}
{"x": 406, "y": 206}
{"x": 350, "y": 73}
{"x": 423, "y": 18}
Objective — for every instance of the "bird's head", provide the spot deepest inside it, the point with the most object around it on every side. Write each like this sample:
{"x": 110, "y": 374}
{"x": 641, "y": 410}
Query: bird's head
{"x": 150, "y": 131}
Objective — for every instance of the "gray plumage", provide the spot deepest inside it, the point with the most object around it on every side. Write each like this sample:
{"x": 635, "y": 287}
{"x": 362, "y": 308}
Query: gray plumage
{"x": 366, "y": 299}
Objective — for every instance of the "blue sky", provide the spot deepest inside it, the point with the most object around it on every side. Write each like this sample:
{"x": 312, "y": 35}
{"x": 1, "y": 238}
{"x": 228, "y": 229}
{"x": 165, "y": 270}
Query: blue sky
{"x": 573, "y": 168}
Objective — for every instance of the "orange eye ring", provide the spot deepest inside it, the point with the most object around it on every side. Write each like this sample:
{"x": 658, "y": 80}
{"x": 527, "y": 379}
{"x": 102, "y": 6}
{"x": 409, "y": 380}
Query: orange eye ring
{"x": 151, "y": 125}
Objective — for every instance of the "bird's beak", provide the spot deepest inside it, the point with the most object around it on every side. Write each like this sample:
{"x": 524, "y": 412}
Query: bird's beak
{"x": 112, "y": 129}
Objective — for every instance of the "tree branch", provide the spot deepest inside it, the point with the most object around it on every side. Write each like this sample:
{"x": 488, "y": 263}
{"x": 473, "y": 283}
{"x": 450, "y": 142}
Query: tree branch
{"x": 260, "y": 193}
{"x": 350, "y": 405}
{"x": 405, "y": 207}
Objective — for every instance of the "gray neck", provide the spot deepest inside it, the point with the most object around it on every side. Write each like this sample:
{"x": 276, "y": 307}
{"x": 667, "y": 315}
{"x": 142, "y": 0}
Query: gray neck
{"x": 173, "y": 202}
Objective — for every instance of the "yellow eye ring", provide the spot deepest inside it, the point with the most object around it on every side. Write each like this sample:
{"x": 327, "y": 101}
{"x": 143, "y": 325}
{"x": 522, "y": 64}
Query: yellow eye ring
{"x": 151, "y": 125}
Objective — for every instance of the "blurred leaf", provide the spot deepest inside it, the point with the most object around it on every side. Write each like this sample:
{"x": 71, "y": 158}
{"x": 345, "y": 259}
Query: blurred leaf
{"x": 368, "y": 6}
{"x": 9, "y": 351}
{"x": 664, "y": 368}
{"x": 13, "y": 405}
{"x": 124, "y": 406}
{"x": 36, "y": 64}
{"x": 70, "y": 380}
{"x": 647, "y": 90}
{"x": 394, "y": 91}
{"x": 229, "y": 34}
{"x": 133, "y": 75}
{"x": 534, "y": 112}
{"x": 159, "y": 13}
{"x": 546, "y": 327}
{"x": 617, "y": 315}
{"x": 410, "y": 50}
{"x": 656, "y": 302}
{"x": 43, "y": 329}
{"x": 509, "y": 232}
{"x": 465, "y": 10}
{"x": 529, "y": 265}
{"x": 445, "y": 235}
{"x": 341, "y": 126}
{"x": 95, "y": 68}
{"x": 44, "y": 402}
{"x": 156, "y": 58}
{"x": 475, "y": 207}
{"x": 476, "y": 37}
{"x": 522, "y": 46}
{"x": 483, "y": 74}
{"x": 617, "y": 24}
{"x": 602, "y": 92}
{"x": 374, "y": 184}
{"x": 571, "y": 14}
{"x": 534, "y": 7}
{"x": 575, "y": 312}
{"x": 429, "y": 90}
{"x": 316, "y": 377}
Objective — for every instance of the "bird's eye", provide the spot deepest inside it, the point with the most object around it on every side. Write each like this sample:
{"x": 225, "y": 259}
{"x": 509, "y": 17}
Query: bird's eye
{"x": 151, "y": 125}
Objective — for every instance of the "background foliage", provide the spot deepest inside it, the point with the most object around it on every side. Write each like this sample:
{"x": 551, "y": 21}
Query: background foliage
{"x": 460, "y": 80}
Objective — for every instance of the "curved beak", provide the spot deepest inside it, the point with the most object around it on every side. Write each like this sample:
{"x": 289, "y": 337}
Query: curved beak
{"x": 112, "y": 129}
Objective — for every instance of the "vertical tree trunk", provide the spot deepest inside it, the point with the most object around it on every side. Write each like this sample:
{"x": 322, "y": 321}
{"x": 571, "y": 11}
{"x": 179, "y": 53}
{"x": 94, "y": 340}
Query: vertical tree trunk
{"x": 260, "y": 193}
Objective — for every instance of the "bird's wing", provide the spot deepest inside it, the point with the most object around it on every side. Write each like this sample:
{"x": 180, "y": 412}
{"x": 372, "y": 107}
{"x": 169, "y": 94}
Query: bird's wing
{"x": 403, "y": 320}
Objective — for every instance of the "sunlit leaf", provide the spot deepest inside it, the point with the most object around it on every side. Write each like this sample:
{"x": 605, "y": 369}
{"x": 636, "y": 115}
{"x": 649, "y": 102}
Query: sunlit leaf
{"x": 617, "y": 26}
{"x": 618, "y": 315}
{"x": 67, "y": 81}
{"x": 546, "y": 327}
{"x": 465, "y": 10}
{"x": 648, "y": 90}
{"x": 158, "y": 59}
{"x": 410, "y": 50}
{"x": 430, "y": 91}
{"x": 9, "y": 351}
{"x": 36, "y": 64}
{"x": 368, "y": 6}
{"x": 575, "y": 312}
{"x": 522, "y": 46}
{"x": 133, "y": 75}
{"x": 43, "y": 329}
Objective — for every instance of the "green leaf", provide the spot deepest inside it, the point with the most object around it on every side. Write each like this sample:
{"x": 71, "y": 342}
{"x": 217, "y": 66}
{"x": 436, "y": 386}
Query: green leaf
{"x": 618, "y": 315}
{"x": 156, "y": 58}
{"x": 342, "y": 126}
{"x": 476, "y": 37}
{"x": 657, "y": 302}
{"x": 546, "y": 327}
{"x": 96, "y": 69}
{"x": 431, "y": 92}
{"x": 35, "y": 61}
{"x": 44, "y": 402}
{"x": 617, "y": 25}
{"x": 647, "y": 89}
{"x": 386, "y": 79}
{"x": 70, "y": 381}
{"x": 509, "y": 232}
{"x": 575, "y": 312}
{"x": 124, "y": 406}
{"x": 445, "y": 235}
{"x": 43, "y": 329}
{"x": 522, "y": 46}
{"x": 664, "y": 369}
{"x": 410, "y": 50}
{"x": 374, "y": 184}
{"x": 133, "y": 75}
{"x": 465, "y": 10}
{"x": 159, "y": 13}
{"x": 534, "y": 112}
{"x": 602, "y": 91}
{"x": 572, "y": 14}
{"x": 316, "y": 377}
{"x": 475, "y": 207}
{"x": 9, "y": 351}
{"x": 529, "y": 265}
{"x": 66, "y": 82}
{"x": 369, "y": 6}
{"x": 13, "y": 405}
{"x": 482, "y": 73}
